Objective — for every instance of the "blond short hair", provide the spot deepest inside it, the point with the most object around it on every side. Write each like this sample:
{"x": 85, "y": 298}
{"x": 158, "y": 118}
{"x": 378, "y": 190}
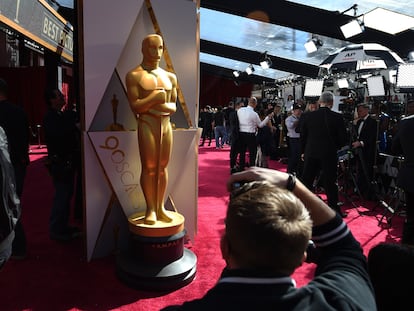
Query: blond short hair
{"x": 267, "y": 228}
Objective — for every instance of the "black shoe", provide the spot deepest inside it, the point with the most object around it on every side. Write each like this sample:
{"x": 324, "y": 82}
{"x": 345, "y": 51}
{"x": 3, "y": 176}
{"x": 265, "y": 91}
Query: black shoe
{"x": 19, "y": 254}
{"x": 68, "y": 235}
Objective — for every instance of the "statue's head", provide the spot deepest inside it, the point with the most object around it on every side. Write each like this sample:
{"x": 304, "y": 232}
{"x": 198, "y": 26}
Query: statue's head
{"x": 152, "y": 47}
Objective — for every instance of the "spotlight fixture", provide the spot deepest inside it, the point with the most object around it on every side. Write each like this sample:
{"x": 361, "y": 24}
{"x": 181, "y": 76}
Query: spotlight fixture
{"x": 313, "y": 44}
{"x": 250, "y": 69}
{"x": 353, "y": 28}
{"x": 266, "y": 61}
{"x": 236, "y": 73}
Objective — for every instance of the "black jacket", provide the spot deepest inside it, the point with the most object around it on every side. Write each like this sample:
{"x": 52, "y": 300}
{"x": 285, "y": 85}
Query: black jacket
{"x": 9, "y": 202}
{"x": 402, "y": 144}
{"x": 322, "y": 133}
{"x": 369, "y": 137}
{"x": 14, "y": 121}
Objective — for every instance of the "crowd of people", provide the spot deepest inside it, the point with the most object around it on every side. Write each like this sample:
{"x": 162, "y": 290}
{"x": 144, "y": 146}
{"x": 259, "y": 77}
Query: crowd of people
{"x": 309, "y": 138}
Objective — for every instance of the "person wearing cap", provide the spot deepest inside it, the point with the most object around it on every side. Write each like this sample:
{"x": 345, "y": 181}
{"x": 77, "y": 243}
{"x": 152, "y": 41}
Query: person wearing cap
{"x": 365, "y": 146}
{"x": 294, "y": 152}
{"x": 323, "y": 133}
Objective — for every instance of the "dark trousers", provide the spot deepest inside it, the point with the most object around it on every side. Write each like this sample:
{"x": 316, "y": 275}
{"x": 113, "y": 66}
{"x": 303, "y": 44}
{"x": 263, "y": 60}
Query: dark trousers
{"x": 234, "y": 151}
{"x": 59, "y": 216}
{"x": 19, "y": 242}
{"x": 408, "y": 229}
{"x": 365, "y": 174}
{"x": 328, "y": 172}
{"x": 207, "y": 132}
{"x": 294, "y": 155}
{"x": 247, "y": 142}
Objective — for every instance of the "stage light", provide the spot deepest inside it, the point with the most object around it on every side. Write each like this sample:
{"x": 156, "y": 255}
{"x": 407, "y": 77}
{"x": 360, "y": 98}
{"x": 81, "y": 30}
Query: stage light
{"x": 375, "y": 86}
{"x": 353, "y": 28}
{"x": 250, "y": 69}
{"x": 236, "y": 73}
{"x": 405, "y": 77}
{"x": 313, "y": 87}
{"x": 312, "y": 45}
{"x": 266, "y": 62}
{"x": 343, "y": 83}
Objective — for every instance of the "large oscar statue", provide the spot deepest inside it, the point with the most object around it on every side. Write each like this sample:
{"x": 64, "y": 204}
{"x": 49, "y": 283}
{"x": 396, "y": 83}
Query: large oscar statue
{"x": 158, "y": 259}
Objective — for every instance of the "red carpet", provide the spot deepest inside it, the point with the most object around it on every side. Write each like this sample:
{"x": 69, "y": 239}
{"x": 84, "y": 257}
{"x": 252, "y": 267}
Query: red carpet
{"x": 57, "y": 277}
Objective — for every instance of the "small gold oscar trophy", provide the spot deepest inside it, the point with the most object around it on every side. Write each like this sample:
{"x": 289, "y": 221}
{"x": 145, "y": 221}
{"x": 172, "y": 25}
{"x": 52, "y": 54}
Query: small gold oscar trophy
{"x": 115, "y": 126}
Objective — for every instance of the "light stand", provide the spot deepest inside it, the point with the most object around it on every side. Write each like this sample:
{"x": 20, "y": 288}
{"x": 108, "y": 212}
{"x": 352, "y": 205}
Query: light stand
{"x": 348, "y": 176}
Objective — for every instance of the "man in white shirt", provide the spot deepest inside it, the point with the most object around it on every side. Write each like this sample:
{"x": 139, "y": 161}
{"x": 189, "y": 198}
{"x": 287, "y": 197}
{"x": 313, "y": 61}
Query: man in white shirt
{"x": 249, "y": 121}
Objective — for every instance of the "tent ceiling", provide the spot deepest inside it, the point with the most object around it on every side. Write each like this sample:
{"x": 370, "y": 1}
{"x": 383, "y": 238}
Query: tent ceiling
{"x": 235, "y": 34}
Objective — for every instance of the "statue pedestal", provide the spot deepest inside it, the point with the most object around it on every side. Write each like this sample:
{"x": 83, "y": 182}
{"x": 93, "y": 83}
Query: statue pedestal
{"x": 156, "y": 259}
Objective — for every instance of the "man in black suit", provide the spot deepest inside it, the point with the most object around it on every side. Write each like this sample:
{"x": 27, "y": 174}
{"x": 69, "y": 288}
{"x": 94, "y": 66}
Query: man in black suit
{"x": 365, "y": 146}
{"x": 402, "y": 144}
{"x": 323, "y": 132}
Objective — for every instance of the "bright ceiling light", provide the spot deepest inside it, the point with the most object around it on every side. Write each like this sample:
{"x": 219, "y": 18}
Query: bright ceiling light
{"x": 250, "y": 69}
{"x": 312, "y": 45}
{"x": 266, "y": 62}
{"x": 352, "y": 28}
{"x": 236, "y": 73}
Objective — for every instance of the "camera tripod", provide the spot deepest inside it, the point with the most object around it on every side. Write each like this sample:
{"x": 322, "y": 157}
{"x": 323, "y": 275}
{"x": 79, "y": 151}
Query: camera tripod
{"x": 395, "y": 200}
{"x": 347, "y": 178}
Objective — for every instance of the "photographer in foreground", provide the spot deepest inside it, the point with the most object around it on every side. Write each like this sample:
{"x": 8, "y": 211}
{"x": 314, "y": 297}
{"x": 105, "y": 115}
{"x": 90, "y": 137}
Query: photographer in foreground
{"x": 269, "y": 222}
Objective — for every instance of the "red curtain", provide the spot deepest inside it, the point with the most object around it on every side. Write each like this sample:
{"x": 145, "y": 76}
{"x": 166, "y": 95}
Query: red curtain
{"x": 26, "y": 89}
{"x": 215, "y": 91}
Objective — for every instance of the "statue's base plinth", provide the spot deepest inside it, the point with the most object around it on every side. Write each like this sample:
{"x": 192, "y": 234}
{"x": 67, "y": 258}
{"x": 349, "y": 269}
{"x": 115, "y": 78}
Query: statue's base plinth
{"x": 168, "y": 277}
{"x": 155, "y": 262}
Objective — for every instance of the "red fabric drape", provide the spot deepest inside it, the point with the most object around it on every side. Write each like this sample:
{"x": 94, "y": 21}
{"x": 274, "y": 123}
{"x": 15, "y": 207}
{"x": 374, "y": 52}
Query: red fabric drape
{"x": 215, "y": 91}
{"x": 26, "y": 89}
